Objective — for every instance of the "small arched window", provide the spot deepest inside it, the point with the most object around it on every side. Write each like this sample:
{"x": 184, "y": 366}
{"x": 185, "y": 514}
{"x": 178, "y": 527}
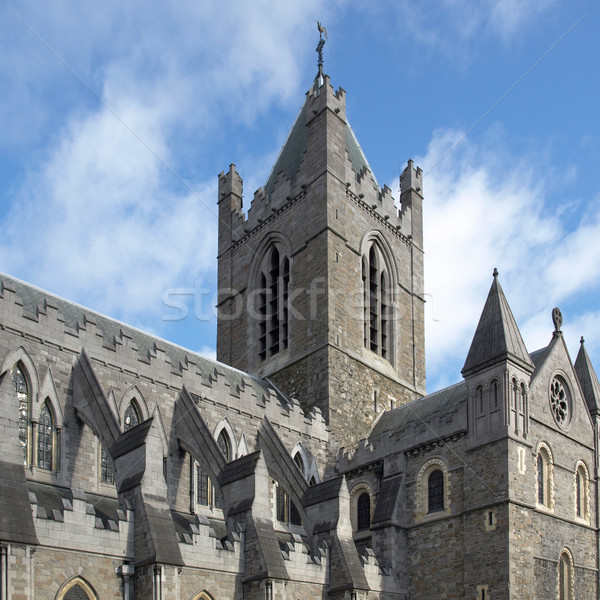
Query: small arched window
{"x": 22, "y": 393}
{"x": 106, "y": 472}
{"x": 566, "y": 583}
{"x": 582, "y": 492}
{"x": 45, "y": 439}
{"x": 495, "y": 393}
{"x": 435, "y": 491}
{"x": 479, "y": 393}
{"x": 545, "y": 477}
{"x": 363, "y": 512}
{"x": 224, "y": 444}
{"x": 132, "y": 416}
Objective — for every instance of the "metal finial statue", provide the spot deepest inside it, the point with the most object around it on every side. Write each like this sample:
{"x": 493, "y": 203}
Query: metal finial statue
{"x": 319, "y": 48}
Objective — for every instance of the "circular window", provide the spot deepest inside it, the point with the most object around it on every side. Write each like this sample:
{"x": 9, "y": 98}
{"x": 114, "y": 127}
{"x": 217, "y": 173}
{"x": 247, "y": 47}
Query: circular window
{"x": 560, "y": 402}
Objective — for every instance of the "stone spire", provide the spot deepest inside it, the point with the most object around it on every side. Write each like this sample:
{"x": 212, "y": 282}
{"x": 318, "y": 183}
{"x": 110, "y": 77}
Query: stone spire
{"x": 497, "y": 336}
{"x": 588, "y": 380}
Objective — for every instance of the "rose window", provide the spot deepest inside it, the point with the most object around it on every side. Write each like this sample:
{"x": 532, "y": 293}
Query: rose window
{"x": 560, "y": 402}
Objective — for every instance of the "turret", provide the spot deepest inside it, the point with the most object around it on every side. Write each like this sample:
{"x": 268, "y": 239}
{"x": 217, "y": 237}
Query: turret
{"x": 497, "y": 371}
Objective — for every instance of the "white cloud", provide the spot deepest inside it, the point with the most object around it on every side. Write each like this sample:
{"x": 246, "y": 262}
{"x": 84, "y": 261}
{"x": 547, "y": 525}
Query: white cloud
{"x": 484, "y": 210}
{"x": 99, "y": 218}
{"x": 450, "y": 25}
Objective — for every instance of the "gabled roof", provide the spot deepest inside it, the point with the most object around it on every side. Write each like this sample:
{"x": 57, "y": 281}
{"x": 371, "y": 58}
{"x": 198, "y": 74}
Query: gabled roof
{"x": 497, "y": 336}
{"x": 588, "y": 380}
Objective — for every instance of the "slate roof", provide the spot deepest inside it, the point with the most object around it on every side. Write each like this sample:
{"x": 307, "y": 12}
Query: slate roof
{"x": 497, "y": 336}
{"x": 16, "y": 519}
{"x": 75, "y": 317}
{"x": 588, "y": 379}
{"x": 292, "y": 153}
{"x": 420, "y": 410}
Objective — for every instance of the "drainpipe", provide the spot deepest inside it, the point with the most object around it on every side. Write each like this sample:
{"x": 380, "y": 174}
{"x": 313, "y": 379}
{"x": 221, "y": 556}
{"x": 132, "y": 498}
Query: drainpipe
{"x": 157, "y": 583}
{"x": 126, "y": 571}
{"x": 3, "y": 572}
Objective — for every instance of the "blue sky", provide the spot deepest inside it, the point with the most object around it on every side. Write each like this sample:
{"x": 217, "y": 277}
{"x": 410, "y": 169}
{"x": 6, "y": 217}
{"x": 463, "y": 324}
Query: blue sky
{"x": 117, "y": 118}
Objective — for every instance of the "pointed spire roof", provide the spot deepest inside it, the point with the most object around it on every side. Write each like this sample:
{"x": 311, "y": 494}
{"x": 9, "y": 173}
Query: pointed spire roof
{"x": 588, "y": 380}
{"x": 497, "y": 336}
{"x": 293, "y": 150}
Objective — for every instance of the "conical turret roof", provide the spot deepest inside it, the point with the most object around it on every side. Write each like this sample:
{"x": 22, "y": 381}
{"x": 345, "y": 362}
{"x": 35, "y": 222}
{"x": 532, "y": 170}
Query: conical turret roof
{"x": 497, "y": 336}
{"x": 588, "y": 380}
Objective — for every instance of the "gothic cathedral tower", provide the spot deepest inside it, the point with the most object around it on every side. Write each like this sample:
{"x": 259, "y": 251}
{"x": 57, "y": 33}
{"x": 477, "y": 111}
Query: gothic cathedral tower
{"x": 321, "y": 283}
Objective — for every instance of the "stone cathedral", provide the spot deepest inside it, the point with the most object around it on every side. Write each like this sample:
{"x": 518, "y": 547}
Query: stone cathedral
{"x": 308, "y": 461}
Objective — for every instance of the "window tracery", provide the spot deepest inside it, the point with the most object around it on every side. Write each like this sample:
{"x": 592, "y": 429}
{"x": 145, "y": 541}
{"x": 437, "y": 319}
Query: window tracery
{"x": 273, "y": 294}
{"x": 24, "y": 400}
{"x": 377, "y": 302}
{"x": 286, "y": 510}
{"x": 45, "y": 439}
{"x": 132, "y": 416}
{"x": 560, "y": 401}
{"x": 224, "y": 443}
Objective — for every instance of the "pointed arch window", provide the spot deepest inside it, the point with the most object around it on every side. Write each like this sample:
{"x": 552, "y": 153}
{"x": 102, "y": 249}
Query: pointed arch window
{"x": 76, "y": 589}
{"x": 377, "y": 299}
{"x": 299, "y": 462}
{"x": 273, "y": 296}
{"x": 45, "y": 438}
{"x": 24, "y": 400}
{"x": 224, "y": 444}
{"x": 132, "y": 416}
{"x": 106, "y": 472}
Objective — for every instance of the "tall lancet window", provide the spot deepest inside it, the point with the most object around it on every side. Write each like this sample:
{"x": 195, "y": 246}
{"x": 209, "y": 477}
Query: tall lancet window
{"x": 45, "y": 439}
{"x": 272, "y": 304}
{"x": 377, "y": 302}
{"x": 22, "y": 392}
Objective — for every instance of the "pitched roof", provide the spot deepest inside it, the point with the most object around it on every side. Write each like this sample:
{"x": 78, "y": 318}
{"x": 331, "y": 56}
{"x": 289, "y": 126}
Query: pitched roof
{"x": 421, "y": 410}
{"x": 296, "y": 144}
{"x": 497, "y": 336}
{"x": 35, "y": 301}
{"x": 588, "y": 379}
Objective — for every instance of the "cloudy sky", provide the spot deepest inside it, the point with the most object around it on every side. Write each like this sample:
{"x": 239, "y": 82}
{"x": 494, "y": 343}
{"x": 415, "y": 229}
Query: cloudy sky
{"x": 117, "y": 118}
